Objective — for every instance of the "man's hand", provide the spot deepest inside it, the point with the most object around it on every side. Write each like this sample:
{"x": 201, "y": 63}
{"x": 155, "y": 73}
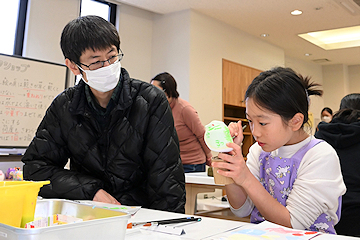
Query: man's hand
{"x": 103, "y": 196}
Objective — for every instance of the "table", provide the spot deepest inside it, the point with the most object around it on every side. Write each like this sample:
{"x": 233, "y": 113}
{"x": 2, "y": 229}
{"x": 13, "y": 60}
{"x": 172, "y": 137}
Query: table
{"x": 198, "y": 182}
{"x": 207, "y": 229}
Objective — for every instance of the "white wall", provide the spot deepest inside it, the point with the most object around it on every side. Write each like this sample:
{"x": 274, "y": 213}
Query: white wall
{"x": 336, "y": 85}
{"x": 211, "y": 41}
{"x": 136, "y": 30}
{"x": 314, "y": 71}
{"x": 171, "y": 48}
{"x": 354, "y": 78}
{"x": 340, "y": 80}
{"x": 191, "y": 46}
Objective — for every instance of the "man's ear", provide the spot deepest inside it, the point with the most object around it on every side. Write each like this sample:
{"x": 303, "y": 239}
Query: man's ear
{"x": 72, "y": 66}
{"x": 297, "y": 121}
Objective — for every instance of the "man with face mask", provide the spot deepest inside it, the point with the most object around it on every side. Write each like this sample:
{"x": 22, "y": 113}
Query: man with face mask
{"x": 118, "y": 132}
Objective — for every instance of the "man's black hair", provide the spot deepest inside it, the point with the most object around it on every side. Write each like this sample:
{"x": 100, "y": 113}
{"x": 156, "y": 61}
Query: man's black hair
{"x": 88, "y": 32}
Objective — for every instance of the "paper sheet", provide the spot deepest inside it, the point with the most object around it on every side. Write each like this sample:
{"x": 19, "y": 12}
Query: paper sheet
{"x": 166, "y": 229}
{"x": 266, "y": 230}
{"x": 121, "y": 208}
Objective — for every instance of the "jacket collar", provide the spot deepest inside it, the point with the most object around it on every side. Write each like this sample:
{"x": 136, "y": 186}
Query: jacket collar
{"x": 79, "y": 102}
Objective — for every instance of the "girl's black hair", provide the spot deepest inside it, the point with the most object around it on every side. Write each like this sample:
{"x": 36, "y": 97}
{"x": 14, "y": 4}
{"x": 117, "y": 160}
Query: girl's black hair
{"x": 283, "y": 91}
{"x": 349, "y": 109}
{"x": 347, "y": 115}
{"x": 350, "y": 101}
{"x": 327, "y": 109}
{"x": 88, "y": 32}
{"x": 168, "y": 83}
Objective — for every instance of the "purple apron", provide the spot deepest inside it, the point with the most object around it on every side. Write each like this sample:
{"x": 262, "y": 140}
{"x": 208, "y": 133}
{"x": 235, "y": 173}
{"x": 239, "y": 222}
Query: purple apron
{"x": 278, "y": 175}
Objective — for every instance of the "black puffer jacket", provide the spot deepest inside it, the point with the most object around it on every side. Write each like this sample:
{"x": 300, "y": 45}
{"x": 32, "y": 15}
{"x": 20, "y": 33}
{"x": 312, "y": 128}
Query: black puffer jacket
{"x": 345, "y": 139}
{"x": 141, "y": 165}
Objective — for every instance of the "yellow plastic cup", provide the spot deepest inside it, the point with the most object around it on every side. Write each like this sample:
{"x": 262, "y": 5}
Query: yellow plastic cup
{"x": 30, "y": 201}
{"x": 18, "y": 201}
{"x": 11, "y": 203}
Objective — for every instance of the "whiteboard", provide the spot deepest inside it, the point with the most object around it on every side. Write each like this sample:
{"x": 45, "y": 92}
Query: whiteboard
{"x": 27, "y": 88}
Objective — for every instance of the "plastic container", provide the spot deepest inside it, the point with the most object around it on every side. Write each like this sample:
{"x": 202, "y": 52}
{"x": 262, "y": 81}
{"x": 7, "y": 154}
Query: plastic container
{"x": 98, "y": 223}
{"x": 217, "y": 135}
{"x": 220, "y": 179}
{"x": 18, "y": 201}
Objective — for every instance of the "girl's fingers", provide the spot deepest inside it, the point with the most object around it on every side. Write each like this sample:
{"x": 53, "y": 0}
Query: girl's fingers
{"x": 239, "y": 124}
{"x": 234, "y": 129}
{"x": 236, "y": 149}
{"x": 236, "y": 132}
{"x": 224, "y": 173}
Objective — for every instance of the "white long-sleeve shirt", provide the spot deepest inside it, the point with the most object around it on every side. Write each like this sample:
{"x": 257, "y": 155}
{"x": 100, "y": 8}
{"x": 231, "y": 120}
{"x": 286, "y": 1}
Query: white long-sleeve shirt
{"x": 316, "y": 189}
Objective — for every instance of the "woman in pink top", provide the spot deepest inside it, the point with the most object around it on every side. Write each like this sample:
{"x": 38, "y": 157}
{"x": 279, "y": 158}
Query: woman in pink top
{"x": 193, "y": 150}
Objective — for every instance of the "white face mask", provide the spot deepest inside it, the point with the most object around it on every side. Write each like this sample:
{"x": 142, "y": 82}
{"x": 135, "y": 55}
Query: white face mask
{"x": 77, "y": 79}
{"x": 326, "y": 119}
{"x": 103, "y": 79}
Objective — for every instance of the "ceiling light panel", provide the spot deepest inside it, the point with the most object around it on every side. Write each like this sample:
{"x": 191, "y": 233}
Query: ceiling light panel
{"x": 334, "y": 39}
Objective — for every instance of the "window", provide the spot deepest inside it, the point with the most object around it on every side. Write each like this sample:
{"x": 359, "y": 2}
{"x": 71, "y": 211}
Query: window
{"x": 99, "y": 8}
{"x": 13, "y": 19}
{"x": 12, "y": 22}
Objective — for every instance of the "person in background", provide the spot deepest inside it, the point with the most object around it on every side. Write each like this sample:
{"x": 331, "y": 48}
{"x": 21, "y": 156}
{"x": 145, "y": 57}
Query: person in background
{"x": 118, "y": 132}
{"x": 193, "y": 150}
{"x": 326, "y": 115}
{"x": 283, "y": 180}
{"x": 343, "y": 134}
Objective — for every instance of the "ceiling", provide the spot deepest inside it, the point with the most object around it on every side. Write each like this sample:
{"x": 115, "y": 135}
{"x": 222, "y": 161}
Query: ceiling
{"x": 273, "y": 17}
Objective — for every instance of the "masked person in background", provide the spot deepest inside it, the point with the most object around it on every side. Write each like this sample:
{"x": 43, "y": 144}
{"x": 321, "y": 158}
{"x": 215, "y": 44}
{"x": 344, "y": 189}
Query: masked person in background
{"x": 118, "y": 132}
{"x": 326, "y": 116}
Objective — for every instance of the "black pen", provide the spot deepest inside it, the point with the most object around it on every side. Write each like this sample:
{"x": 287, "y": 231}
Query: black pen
{"x": 163, "y": 222}
{"x": 176, "y": 220}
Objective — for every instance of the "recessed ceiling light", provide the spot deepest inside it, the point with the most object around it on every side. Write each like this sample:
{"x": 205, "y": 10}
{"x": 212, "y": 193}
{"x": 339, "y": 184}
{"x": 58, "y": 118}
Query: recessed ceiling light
{"x": 264, "y": 35}
{"x": 296, "y": 12}
{"x": 307, "y": 54}
{"x": 335, "y": 38}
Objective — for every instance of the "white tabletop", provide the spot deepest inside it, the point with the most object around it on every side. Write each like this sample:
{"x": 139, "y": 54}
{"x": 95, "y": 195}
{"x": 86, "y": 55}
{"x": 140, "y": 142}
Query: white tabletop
{"x": 206, "y": 229}
{"x": 200, "y": 178}
{"x": 268, "y": 230}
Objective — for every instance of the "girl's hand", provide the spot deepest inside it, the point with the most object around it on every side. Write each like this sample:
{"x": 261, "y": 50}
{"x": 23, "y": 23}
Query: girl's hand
{"x": 235, "y": 166}
{"x": 236, "y": 132}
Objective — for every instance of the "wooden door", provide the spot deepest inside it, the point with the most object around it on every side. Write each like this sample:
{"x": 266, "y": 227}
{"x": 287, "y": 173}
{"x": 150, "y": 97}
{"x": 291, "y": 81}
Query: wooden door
{"x": 236, "y": 79}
